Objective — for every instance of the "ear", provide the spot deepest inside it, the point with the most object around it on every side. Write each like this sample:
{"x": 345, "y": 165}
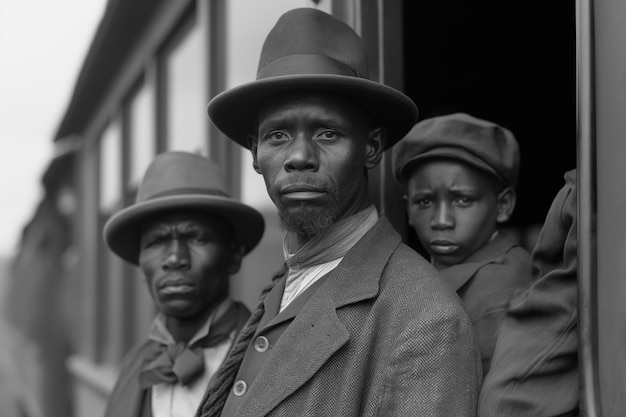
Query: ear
{"x": 375, "y": 146}
{"x": 236, "y": 256}
{"x": 252, "y": 142}
{"x": 506, "y": 204}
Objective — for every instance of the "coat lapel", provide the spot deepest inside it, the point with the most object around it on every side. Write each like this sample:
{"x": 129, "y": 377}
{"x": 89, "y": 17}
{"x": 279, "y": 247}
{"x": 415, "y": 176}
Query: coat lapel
{"x": 317, "y": 333}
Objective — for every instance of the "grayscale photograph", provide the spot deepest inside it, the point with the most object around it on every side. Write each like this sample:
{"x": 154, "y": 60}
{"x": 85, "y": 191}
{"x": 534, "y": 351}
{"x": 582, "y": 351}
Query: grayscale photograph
{"x": 312, "y": 208}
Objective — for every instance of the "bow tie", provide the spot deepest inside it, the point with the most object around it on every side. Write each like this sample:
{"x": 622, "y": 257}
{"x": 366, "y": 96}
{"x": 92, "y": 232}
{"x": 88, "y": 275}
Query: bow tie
{"x": 181, "y": 363}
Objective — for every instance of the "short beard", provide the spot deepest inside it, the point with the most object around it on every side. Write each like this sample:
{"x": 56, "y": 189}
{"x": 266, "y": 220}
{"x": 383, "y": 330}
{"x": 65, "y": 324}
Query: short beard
{"x": 308, "y": 223}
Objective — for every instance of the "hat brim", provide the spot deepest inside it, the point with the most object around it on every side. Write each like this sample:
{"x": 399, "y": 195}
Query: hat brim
{"x": 234, "y": 111}
{"x": 122, "y": 230}
{"x": 446, "y": 153}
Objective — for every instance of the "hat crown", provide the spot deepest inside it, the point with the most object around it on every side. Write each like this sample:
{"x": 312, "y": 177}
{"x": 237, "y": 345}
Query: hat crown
{"x": 181, "y": 173}
{"x": 309, "y": 41}
{"x": 485, "y": 139}
{"x": 481, "y": 143}
{"x": 310, "y": 50}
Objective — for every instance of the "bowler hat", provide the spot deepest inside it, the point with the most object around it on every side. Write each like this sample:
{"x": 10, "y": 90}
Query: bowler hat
{"x": 480, "y": 143}
{"x": 308, "y": 49}
{"x": 179, "y": 181}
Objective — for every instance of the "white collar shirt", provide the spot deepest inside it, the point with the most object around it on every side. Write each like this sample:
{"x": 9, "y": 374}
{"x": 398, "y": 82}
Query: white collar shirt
{"x": 176, "y": 400}
{"x": 301, "y": 278}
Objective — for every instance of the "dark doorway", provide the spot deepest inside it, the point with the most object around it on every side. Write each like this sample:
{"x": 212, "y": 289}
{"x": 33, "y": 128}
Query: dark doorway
{"x": 513, "y": 63}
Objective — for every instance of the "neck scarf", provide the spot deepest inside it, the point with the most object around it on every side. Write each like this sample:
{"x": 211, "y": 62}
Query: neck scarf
{"x": 184, "y": 362}
{"x": 334, "y": 243}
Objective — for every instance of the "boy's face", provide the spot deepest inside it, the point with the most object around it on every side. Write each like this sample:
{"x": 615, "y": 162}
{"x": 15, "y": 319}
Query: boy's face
{"x": 453, "y": 208}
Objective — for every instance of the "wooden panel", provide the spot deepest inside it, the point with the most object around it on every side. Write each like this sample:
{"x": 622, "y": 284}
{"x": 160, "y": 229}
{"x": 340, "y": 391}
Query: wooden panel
{"x": 90, "y": 333}
{"x": 587, "y": 186}
{"x": 610, "y": 108}
{"x": 381, "y": 28}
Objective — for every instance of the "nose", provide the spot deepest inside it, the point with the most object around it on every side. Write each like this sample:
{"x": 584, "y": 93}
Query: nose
{"x": 442, "y": 217}
{"x": 177, "y": 257}
{"x": 302, "y": 155}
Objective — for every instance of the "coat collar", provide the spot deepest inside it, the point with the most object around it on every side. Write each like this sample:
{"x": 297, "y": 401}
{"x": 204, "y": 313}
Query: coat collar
{"x": 457, "y": 275}
{"x": 317, "y": 333}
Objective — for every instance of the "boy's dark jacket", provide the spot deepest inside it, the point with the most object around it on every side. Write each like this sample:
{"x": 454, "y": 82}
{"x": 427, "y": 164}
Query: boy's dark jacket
{"x": 486, "y": 283}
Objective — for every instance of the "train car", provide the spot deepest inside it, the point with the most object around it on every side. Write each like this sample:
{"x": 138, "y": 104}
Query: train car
{"x": 552, "y": 72}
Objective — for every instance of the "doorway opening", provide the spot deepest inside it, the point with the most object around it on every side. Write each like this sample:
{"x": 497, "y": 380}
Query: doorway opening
{"x": 513, "y": 63}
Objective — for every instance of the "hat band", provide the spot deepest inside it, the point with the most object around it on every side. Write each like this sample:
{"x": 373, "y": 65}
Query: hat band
{"x": 306, "y": 64}
{"x": 189, "y": 190}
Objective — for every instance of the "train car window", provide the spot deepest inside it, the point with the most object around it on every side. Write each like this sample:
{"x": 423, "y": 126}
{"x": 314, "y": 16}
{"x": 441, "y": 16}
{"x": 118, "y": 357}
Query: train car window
{"x": 141, "y": 129}
{"x": 185, "y": 86}
{"x": 111, "y": 167}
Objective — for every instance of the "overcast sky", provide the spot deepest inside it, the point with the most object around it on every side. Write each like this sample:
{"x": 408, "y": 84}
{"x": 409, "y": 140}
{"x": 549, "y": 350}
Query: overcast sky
{"x": 42, "y": 46}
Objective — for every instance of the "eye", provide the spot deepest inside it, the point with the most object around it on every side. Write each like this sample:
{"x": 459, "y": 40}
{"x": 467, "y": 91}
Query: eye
{"x": 327, "y": 135}
{"x": 276, "y": 136}
{"x": 465, "y": 201}
{"x": 421, "y": 202}
{"x": 154, "y": 241}
{"x": 199, "y": 240}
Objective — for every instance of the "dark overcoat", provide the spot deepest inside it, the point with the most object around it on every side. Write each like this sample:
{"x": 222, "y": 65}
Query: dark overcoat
{"x": 534, "y": 371}
{"x": 383, "y": 335}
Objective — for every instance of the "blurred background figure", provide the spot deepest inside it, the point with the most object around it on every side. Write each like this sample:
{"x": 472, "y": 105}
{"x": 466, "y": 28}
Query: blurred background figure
{"x": 36, "y": 305}
{"x": 16, "y": 398}
{"x": 42, "y": 46}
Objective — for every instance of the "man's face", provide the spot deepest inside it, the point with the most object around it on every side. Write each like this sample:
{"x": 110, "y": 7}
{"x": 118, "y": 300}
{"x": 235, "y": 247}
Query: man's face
{"x": 453, "y": 209}
{"x": 313, "y": 150}
{"x": 185, "y": 257}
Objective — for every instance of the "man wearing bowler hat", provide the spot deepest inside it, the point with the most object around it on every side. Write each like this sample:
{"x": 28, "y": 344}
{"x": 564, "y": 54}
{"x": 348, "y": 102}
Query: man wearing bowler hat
{"x": 188, "y": 237}
{"x": 359, "y": 324}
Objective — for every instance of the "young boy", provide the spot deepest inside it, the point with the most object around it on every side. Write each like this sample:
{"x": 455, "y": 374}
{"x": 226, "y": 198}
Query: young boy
{"x": 460, "y": 174}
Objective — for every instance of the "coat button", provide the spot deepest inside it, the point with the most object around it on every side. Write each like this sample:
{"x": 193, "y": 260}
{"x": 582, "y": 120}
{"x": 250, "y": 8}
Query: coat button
{"x": 240, "y": 388}
{"x": 261, "y": 344}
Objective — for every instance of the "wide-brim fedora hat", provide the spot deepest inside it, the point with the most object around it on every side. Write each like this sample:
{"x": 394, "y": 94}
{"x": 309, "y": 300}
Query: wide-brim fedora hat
{"x": 308, "y": 49}
{"x": 181, "y": 181}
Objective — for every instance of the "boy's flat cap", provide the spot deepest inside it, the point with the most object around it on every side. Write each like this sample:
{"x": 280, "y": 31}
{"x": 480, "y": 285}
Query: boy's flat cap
{"x": 480, "y": 143}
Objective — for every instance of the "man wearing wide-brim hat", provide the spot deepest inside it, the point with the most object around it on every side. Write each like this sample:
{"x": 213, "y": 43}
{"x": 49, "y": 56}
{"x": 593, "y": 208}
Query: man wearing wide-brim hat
{"x": 188, "y": 237}
{"x": 359, "y": 324}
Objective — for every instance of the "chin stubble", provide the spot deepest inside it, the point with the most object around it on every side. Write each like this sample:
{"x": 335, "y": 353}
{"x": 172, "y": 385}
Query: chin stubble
{"x": 310, "y": 221}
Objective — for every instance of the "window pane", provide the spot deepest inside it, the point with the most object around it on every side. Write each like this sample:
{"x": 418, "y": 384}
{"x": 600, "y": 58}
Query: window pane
{"x": 142, "y": 133}
{"x": 110, "y": 167}
{"x": 186, "y": 93}
{"x": 249, "y": 23}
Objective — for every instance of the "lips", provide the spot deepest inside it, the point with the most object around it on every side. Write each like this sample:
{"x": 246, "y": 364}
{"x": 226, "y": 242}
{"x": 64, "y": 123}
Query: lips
{"x": 442, "y": 246}
{"x": 302, "y": 192}
{"x": 175, "y": 285}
